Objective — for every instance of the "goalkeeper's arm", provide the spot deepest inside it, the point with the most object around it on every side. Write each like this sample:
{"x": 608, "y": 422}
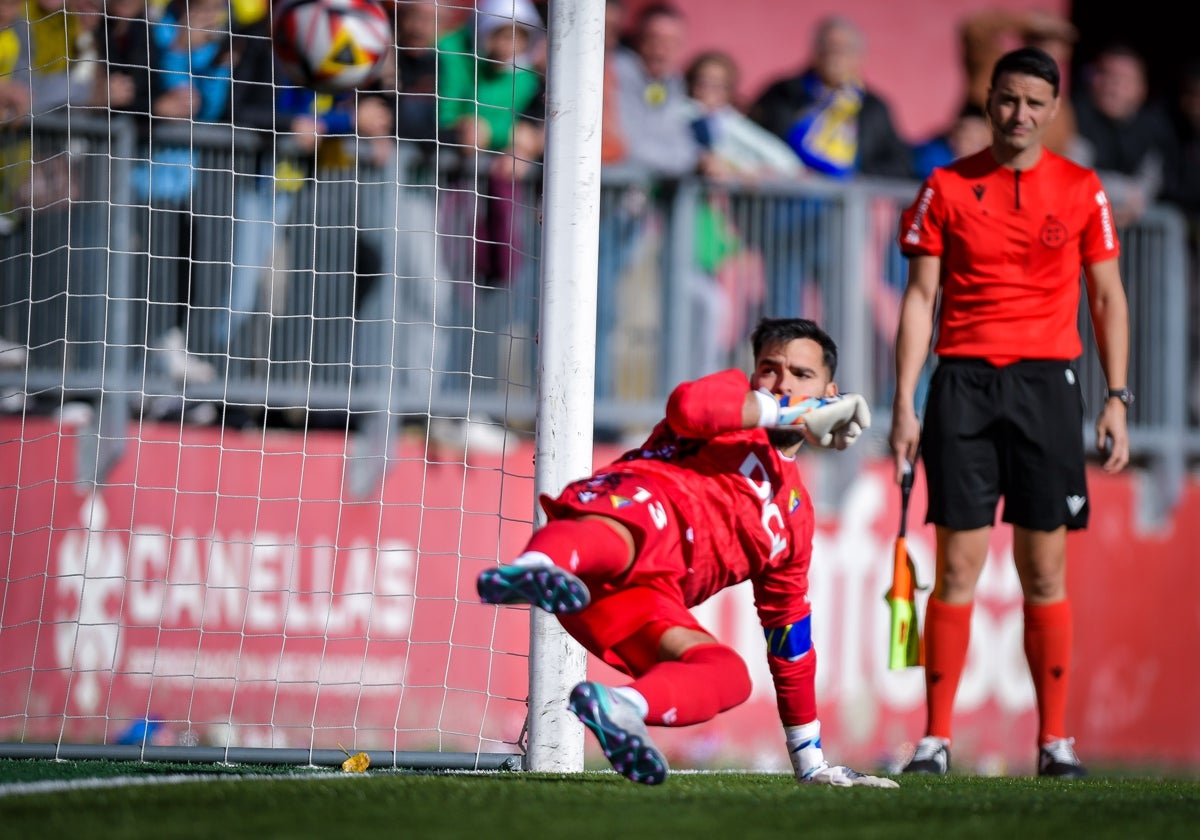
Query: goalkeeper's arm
{"x": 835, "y": 421}
{"x": 711, "y": 405}
{"x": 724, "y": 402}
{"x": 792, "y": 660}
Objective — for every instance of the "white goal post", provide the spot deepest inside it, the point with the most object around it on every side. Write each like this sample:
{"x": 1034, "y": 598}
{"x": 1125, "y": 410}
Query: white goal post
{"x": 243, "y": 518}
{"x": 567, "y": 358}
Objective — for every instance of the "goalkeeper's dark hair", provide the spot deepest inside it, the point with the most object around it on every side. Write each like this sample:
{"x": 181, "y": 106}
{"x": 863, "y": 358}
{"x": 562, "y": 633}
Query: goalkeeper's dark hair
{"x": 772, "y": 331}
{"x": 1028, "y": 61}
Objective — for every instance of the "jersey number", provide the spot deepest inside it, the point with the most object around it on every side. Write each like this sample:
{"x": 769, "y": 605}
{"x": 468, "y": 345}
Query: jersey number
{"x": 772, "y": 519}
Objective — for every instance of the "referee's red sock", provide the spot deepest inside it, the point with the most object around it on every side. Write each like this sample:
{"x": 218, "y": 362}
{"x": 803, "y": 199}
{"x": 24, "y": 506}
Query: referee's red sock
{"x": 584, "y": 547}
{"x": 705, "y": 681}
{"x": 1048, "y": 649}
{"x": 947, "y": 637}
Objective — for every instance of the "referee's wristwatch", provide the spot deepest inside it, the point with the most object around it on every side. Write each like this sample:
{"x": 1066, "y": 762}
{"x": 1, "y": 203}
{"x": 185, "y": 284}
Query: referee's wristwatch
{"x": 1123, "y": 394}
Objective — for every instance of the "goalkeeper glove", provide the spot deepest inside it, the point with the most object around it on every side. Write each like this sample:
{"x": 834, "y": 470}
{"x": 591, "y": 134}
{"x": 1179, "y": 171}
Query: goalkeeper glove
{"x": 828, "y": 421}
{"x": 811, "y": 768}
{"x": 839, "y": 776}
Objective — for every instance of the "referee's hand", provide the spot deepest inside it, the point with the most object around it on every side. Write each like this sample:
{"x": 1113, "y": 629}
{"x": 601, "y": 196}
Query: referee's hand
{"x": 1112, "y": 436}
{"x": 904, "y": 439}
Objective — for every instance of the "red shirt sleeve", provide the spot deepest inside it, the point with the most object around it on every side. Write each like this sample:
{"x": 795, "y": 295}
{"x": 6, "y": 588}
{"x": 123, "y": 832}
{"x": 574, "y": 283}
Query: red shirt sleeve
{"x": 1099, "y": 240}
{"x": 706, "y": 407}
{"x": 921, "y": 223}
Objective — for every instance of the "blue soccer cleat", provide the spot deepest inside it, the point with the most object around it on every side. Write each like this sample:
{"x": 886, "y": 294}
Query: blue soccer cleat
{"x": 621, "y": 732}
{"x": 553, "y": 589}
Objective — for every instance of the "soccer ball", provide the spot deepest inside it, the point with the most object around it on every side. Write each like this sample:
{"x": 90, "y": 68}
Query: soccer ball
{"x": 331, "y": 45}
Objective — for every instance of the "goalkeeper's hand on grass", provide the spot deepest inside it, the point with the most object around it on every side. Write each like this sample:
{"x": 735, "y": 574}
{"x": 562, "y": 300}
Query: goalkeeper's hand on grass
{"x": 828, "y": 422}
{"x": 839, "y": 776}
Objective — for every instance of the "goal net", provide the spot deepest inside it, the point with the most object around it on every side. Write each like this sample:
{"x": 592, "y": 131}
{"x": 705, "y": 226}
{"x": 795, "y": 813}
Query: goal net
{"x": 270, "y": 383}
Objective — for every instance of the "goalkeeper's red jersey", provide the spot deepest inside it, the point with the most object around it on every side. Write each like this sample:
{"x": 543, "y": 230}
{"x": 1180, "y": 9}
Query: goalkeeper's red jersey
{"x": 747, "y": 511}
{"x": 1012, "y": 245}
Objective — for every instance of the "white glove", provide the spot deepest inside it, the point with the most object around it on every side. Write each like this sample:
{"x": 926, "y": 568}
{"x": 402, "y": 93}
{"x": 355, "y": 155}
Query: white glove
{"x": 830, "y": 422}
{"x": 839, "y": 776}
{"x": 845, "y": 436}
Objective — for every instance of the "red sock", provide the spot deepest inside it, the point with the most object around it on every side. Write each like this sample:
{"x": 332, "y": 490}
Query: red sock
{"x": 1048, "y": 649}
{"x": 947, "y": 637}
{"x": 585, "y": 547}
{"x": 707, "y": 680}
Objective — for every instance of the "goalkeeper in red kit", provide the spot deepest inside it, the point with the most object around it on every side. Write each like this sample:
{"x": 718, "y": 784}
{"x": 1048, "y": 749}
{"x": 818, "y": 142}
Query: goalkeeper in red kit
{"x": 711, "y": 499}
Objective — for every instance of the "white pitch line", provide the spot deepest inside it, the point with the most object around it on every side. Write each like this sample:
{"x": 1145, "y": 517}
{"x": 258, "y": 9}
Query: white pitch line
{"x": 57, "y": 786}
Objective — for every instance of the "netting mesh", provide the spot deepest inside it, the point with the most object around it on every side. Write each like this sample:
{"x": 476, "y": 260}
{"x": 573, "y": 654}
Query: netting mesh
{"x": 267, "y": 373}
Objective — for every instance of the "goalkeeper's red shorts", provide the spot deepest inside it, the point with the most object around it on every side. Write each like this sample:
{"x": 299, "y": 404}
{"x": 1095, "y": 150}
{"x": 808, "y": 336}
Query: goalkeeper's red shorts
{"x": 1013, "y": 432}
{"x": 648, "y": 599}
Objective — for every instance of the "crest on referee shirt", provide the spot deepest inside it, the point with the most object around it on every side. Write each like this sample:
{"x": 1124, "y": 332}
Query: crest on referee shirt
{"x": 1053, "y": 233}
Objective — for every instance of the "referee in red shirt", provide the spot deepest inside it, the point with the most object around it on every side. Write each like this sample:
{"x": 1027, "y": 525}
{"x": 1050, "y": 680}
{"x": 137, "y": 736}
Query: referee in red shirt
{"x": 1002, "y": 237}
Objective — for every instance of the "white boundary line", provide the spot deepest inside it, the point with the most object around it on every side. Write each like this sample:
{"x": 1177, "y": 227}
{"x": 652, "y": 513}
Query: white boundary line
{"x": 94, "y": 783}
{"x": 57, "y": 786}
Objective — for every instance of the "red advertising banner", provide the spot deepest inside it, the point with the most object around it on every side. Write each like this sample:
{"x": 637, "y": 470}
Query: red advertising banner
{"x": 227, "y": 584}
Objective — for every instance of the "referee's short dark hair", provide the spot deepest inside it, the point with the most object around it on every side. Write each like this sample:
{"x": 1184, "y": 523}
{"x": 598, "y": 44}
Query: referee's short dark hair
{"x": 1028, "y": 61}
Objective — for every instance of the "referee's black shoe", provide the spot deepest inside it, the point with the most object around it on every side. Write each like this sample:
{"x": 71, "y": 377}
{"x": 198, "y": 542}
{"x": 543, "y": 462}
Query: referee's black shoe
{"x": 932, "y": 757}
{"x": 1058, "y": 759}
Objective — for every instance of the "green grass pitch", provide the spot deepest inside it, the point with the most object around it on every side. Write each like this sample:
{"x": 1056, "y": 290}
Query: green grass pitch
{"x": 128, "y": 800}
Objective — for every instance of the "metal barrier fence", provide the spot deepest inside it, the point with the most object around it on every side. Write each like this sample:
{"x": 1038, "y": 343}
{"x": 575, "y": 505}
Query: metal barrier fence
{"x": 380, "y": 288}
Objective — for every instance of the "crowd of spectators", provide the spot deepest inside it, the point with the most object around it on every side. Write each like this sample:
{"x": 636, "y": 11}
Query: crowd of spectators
{"x": 475, "y": 83}
{"x": 480, "y": 89}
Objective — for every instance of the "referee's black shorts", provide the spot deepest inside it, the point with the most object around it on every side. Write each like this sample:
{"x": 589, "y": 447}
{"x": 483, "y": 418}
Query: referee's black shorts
{"x": 1012, "y": 432}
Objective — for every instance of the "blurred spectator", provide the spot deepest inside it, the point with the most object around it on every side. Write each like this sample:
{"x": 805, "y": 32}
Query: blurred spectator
{"x": 14, "y": 105}
{"x": 406, "y": 307}
{"x": 340, "y": 149}
{"x": 966, "y": 135}
{"x": 649, "y": 142}
{"x": 612, "y": 133}
{"x": 58, "y": 62}
{"x": 192, "y": 61}
{"x": 416, "y": 64}
{"x": 64, "y": 53}
{"x": 490, "y": 100}
{"x": 14, "y": 89}
{"x": 51, "y": 175}
{"x": 732, "y": 147}
{"x": 125, "y": 86}
{"x": 486, "y": 81}
{"x": 14, "y": 111}
{"x": 256, "y": 203}
{"x": 1124, "y": 135}
{"x": 839, "y": 128}
{"x": 206, "y": 68}
{"x": 86, "y": 53}
{"x": 990, "y": 33}
{"x": 836, "y": 124}
{"x": 252, "y": 111}
{"x": 652, "y": 101}
{"x": 1182, "y": 187}
{"x": 731, "y": 144}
